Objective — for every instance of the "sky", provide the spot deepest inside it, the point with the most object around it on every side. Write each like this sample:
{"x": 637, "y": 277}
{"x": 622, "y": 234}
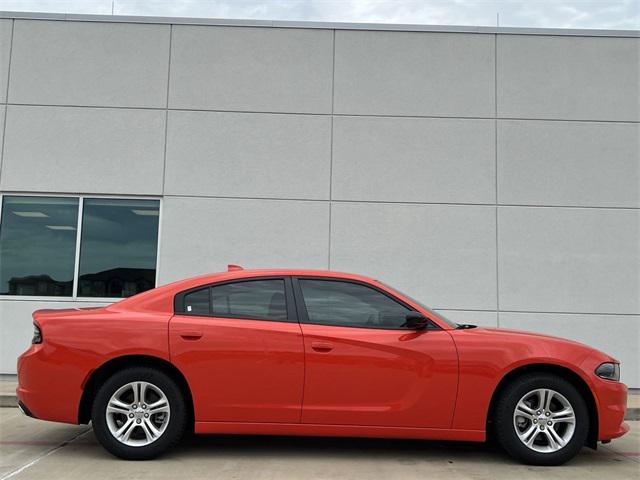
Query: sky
{"x": 599, "y": 14}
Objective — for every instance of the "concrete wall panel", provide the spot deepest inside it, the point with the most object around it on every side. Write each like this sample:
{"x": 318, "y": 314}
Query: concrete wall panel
{"x": 582, "y": 78}
{"x": 251, "y": 69}
{"x": 201, "y": 235}
{"x": 96, "y": 64}
{"x": 248, "y": 155}
{"x": 96, "y": 150}
{"x": 616, "y": 335}
{"x": 442, "y": 255}
{"x": 411, "y": 73}
{"x": 569, "y": 163}
{"x": 569, "y": 260}
{"x": 413, "y": 159}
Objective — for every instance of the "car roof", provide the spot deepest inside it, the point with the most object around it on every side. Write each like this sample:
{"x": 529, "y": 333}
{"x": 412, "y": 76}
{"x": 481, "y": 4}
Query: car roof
{"x": 161, "y": 298}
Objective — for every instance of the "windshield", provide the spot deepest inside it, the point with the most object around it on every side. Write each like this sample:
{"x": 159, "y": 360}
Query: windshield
{"x": 451, "y": 323}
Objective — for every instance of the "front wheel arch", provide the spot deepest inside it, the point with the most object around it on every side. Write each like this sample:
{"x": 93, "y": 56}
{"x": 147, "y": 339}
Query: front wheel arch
{"x": 566, "y": 373}
{"x": 98, "y": 376}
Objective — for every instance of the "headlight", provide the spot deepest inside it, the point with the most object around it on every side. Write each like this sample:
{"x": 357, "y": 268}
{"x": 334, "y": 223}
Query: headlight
{"x": 609, "y": 371}
{"x": 37, "y": 334}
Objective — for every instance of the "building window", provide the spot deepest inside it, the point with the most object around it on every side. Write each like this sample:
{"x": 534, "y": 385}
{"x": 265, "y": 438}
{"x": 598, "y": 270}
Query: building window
{"x": 118, "y": 247}
{"x": 39, "y": 246}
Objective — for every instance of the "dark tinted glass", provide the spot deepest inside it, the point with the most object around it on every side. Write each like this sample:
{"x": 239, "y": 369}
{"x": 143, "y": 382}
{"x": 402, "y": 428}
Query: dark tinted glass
{"x": 118, "y": 247}
{"x": 350, "y": 305}
{"x": 197, "y": 303}
{"x": 37, "y": 245}
{"x": 261, "y": 299}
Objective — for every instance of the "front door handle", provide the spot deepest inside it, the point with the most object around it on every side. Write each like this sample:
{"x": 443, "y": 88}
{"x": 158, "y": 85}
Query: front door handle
{"x": 191, "y": 335}
{"x": 322, "y": 346}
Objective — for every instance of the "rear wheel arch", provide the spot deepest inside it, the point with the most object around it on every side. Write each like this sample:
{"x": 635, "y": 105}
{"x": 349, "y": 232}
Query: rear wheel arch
{"x": 567, "y": 374}
{"x": 98, "y": 376}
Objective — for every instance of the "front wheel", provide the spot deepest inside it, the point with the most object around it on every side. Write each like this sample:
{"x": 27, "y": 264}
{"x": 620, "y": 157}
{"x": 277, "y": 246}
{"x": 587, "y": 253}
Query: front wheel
{"x": 138, "y": 413}
{"x": 541, "y": 419}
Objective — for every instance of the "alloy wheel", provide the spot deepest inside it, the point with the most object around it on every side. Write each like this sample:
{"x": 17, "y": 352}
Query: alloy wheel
{"x": 137, "y": 414}
{"x": 544, "y": 420}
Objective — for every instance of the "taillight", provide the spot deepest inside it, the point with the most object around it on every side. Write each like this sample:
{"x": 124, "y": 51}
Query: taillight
{"x": 37, "y": 334}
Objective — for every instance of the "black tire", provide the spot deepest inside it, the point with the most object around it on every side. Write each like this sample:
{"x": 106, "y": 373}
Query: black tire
{"x": 174, "y": 430}
{"x": 504, "y": 419}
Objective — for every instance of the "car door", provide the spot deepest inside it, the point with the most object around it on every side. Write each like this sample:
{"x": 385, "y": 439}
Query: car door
{"x": 363, "y": 367}
{"x": 240, "y": 347}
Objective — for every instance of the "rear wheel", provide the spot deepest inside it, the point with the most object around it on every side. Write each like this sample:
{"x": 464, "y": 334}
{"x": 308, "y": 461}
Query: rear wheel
{"x": 541, "y": 419}
{"x": 138, "y": 413}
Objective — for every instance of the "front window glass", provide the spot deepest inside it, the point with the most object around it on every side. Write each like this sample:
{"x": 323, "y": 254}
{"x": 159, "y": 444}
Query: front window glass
{"x": 37, "y": 245}
{"x": 118, "y": 247}
{"x": 349, "y": 304}
{"x": 451, "y": 323}
{"x": 259, "y": 299}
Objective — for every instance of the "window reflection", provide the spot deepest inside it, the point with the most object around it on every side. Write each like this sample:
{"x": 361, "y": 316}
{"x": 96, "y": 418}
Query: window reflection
{"x": 37, "y": 245}
{"x": 118, "y": 247}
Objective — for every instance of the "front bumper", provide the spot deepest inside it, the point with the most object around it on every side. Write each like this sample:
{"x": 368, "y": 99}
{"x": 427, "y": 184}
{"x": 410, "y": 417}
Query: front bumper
{"x": 612, "y": 407}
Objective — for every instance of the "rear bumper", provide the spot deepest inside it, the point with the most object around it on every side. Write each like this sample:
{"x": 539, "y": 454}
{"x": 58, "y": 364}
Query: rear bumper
{"x": 45, "y": 390}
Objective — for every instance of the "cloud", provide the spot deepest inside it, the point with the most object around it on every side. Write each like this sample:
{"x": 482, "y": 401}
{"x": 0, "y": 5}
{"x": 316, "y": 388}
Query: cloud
{"x": 608, "y": 14}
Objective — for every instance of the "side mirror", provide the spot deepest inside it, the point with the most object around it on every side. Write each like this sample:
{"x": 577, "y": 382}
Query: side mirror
{"x": 416, "y": 321}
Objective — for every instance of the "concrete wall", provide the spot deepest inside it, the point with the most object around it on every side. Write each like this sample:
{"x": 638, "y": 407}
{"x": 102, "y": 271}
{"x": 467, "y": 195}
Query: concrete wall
{"x": 494, "y": 176}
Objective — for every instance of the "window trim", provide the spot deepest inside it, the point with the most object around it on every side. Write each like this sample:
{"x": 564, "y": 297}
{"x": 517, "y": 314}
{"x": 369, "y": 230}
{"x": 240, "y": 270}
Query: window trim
{"x": 304, "y": 316}
{"x": 290, "y": 304}
{"x": 81, "y": 197}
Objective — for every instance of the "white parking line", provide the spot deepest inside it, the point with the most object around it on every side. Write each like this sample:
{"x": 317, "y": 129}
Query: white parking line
{"x": 44, "y": 455}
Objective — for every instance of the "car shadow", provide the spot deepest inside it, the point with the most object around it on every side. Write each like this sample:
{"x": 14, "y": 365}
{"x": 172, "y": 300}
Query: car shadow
{"x": 332, "y": 447}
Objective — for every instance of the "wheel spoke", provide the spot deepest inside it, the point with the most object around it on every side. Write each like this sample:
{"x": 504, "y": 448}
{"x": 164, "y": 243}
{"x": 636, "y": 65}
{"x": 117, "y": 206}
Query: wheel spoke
{"x": 552, "y": 442}
{"x": 524, "y": 410}
{"x": 565, "y": 416}
{"x": 150, "y": 427}
{"x": 557, "y": 439}
{"x": 548, "y": 397}
{"x": 117, "y": 407}
{"x": 158, "y": 407}
{"x": 529, "y": 435}
{"x": 143, "y": 391}
{"x": 124, "y": 431}
{"x": 136, "y": 394}
{"x": 150, "y": 432}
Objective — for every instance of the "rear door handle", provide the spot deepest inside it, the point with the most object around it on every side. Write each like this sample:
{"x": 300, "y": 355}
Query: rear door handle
{"x": 322, "y": 346}
{"x": 191, "y": 335}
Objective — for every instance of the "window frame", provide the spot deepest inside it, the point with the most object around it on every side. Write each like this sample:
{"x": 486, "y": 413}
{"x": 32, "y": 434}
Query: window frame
{"x": 289, "y": 297}
{"x": 304, "y": 316}
{"x": 76, "y": 267}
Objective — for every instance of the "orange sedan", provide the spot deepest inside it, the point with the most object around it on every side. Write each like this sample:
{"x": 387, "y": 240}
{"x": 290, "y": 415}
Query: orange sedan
{"x": 306, "y": 352}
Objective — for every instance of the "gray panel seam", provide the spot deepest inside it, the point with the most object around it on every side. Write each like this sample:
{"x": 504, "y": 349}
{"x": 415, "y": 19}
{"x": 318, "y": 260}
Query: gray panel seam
{"x": 6, "y": 105}
{"x": 10, "y": 191}
{"x": 534, "y": 312}
{"x": 333, "y": 82}
{"x": 354, "y": 115}
{"x": 164, "y": 156}
{"x": 495, "y": 153}
{"x": 390, "y": 202}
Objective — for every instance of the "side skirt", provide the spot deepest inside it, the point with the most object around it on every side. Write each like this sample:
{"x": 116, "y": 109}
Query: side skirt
{"x": 305, "y": 429}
